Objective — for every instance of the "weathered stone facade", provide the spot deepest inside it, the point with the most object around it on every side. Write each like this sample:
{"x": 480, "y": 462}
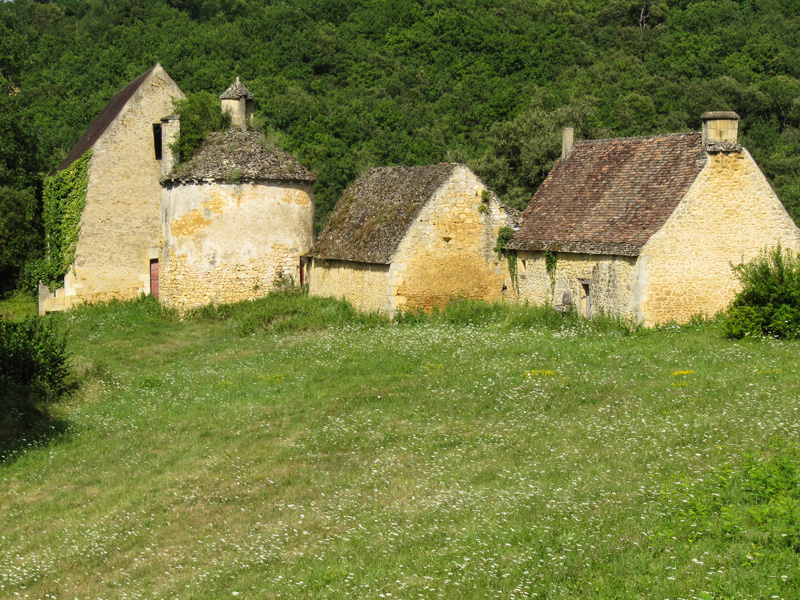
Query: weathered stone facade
{"x": 120, "y": 225}
{"x": 610, "y": 281}
{"x": 445, "y": 252}
{"x": 727, "y": 217}
{"x": 660, "y": 221}
{"x": 226, "y": 242}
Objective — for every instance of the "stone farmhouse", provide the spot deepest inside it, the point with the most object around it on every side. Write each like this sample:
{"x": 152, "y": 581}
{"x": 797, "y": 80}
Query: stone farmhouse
{"x": 236, "y": 218}
{"x": 647, "y": 228}
{"x": 120, "y": 226}
{"x": 411, "y": 238}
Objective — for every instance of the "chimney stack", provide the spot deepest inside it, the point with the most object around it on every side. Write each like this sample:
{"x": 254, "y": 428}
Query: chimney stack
{"x": 238, "y": 102}
{"x": 170, "y": 129}
{"x": 720, "y": 127}
{"x": 567, "y": 141}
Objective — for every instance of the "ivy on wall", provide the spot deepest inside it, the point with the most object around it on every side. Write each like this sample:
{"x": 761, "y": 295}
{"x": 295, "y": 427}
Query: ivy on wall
{"x": 503, "y": 237}
{"x": 64, "y": 199}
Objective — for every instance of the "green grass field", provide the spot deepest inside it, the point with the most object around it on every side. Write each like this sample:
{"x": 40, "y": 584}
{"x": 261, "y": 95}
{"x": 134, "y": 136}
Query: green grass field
{"x": 289, "y": 449}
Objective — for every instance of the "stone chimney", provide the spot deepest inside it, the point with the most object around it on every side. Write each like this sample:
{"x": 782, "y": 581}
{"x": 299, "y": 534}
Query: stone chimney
{"x": 567, "y": 141}
{"x": 720, "y": 130}
{"x": 170, "y": 129}
{"x": 238, "y": 102}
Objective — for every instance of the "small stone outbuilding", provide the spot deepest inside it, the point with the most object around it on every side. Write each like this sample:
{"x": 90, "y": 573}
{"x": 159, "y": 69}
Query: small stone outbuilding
{"x": 647, "y": 228}
{"x": 411, "y": 238}
{"x": 236, "y": 218}
{"x": 120, "y": 229}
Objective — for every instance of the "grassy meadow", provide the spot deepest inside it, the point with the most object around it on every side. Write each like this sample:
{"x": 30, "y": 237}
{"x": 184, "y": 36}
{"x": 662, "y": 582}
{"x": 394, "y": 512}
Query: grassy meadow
{"x": 291, "y": 449}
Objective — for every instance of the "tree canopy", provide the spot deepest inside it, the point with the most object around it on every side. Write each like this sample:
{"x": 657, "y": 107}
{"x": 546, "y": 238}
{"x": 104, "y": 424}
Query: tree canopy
{"x": 350, "y": 84}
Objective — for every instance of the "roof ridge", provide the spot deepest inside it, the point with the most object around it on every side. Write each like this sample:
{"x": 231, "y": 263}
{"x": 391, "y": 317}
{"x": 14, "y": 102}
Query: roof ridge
{"x": 105, "y": 118}
{"x": 637, "y": 138}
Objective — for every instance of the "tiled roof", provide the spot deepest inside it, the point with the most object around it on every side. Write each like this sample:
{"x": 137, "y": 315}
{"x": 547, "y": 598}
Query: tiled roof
{"x": 236, "y": 91}
{"x": 241, "y": 156}
{"x": 373, "y": 215}
{"x": 610, "y": 196}
{"x": 103, "y": 120}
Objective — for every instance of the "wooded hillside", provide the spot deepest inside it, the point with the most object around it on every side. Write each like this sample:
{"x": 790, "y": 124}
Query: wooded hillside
{"x": 350, "y": 84}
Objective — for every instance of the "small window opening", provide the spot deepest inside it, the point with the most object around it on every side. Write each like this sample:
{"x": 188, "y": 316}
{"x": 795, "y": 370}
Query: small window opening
{"x": 447, "y": 239}
{"x": 587, "y": 297}
{"x": 302, "y": 271}
{"x": 157, "y": 139}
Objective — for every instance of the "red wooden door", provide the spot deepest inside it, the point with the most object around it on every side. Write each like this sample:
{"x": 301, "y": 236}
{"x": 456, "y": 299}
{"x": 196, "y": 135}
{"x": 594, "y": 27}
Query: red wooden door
{"x": 154, "y": 277}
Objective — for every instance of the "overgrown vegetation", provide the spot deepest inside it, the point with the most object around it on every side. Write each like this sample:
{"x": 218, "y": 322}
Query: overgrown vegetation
{"x": 199, "y": 114}
{"x": 33, "y": 374}
{"x": 478, "y": 452}
{"x": 769, "y": 302}
{"x": 64, "y": 200}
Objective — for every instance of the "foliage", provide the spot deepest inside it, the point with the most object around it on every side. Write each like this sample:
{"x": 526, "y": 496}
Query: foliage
{"x": 769, "y": 301}
{"x": 550, "y": 265}
{"x": 200, "y": 114}
{"x": 64, "y": 200}
{"x": 33, "y": 372}
{"x": 503, "y": 237}
{"x": 283, "y": 312}
{"x": 19, "y": 234}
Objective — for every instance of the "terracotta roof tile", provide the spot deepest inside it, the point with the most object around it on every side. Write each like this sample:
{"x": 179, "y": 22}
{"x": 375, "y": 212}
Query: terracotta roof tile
{"x": 610, "y": 196}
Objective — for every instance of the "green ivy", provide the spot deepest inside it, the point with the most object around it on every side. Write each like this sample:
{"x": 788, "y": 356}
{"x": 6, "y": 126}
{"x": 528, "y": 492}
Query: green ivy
{"x": 550, "y": 264}
{"x": 64, "y": 199}
{"x": 503, "y": 237}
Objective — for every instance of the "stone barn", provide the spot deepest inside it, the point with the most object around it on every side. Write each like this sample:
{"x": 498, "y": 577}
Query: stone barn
{"x": 411, "y": 238}
{"x": 236, "y": 218}
{"x": 647, "y": 228}
{"x": 120, "y": 229}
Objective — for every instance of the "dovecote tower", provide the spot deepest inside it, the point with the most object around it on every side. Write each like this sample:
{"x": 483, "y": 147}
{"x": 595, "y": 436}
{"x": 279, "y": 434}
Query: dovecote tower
{"x": 237, "y": 100}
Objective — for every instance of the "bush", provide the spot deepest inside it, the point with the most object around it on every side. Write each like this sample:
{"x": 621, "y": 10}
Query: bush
{"x": 33, "y": 372}
{"x": 769, "y": 302}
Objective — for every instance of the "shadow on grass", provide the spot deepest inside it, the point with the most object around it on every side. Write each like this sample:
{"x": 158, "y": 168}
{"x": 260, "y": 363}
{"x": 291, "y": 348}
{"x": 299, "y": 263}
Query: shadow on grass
{"x": 40, "y": 431}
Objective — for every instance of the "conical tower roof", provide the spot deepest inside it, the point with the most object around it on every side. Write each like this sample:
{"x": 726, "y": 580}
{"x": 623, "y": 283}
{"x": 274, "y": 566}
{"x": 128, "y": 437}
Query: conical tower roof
{"x": 236, "y": 91}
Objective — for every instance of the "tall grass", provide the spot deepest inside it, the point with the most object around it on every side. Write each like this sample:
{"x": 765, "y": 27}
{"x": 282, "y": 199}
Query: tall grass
{"x": 468, "y": 454}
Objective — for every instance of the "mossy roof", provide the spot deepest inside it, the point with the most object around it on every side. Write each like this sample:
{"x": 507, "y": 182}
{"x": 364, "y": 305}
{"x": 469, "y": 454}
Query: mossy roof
{"x": 373, "y": 215}
{"x": 610, "y": 196}
{"x": 240, "y": 155}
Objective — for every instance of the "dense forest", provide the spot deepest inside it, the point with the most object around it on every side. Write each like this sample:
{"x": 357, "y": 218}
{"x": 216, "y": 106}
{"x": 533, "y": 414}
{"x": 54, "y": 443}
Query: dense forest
{"x": 349, "y": 84}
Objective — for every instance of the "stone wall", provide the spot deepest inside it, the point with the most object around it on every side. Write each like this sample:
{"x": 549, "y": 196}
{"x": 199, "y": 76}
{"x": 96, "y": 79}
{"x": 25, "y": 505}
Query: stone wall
{"x": 363, "y": 285}
{"x": 610, "y": 281}
{"x": 226, "y": 242}
{"x": 729, "y": 214}
{"x": 120, "y": 228}
{"x": 448, "y": 251}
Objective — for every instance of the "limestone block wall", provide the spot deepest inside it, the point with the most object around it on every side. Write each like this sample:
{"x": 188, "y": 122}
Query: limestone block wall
{"x": 611, "y": 281}
{"x": 364, "y": 285}
{"x": 226, "y": 242}
{"x": 120, "y": 226}
{"x": 448, "y": 251}
{"x": 728, "y": 215}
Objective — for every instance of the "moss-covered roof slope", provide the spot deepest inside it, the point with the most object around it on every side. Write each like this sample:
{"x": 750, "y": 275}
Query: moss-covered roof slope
{"x": 373, "y": 215}
{"x": 236, "y": 155}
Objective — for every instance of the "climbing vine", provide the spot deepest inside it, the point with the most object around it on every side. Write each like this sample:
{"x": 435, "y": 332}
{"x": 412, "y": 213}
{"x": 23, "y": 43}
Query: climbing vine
{"x": 550, "y": 264}
{"x": 64, "y": 199}
{"x": 503, "y": 237}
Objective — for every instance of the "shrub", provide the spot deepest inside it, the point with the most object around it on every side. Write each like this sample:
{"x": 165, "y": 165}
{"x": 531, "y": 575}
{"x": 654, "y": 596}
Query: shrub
{"x": 33, "y": 372}
{"x": 769, "y": 302}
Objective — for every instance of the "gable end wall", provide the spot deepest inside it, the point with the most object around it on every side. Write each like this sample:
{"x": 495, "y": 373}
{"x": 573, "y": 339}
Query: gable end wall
{"x": 728, "y": 215}
{"x": 120, "y": 226}
{"x": 448, "y": 251}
